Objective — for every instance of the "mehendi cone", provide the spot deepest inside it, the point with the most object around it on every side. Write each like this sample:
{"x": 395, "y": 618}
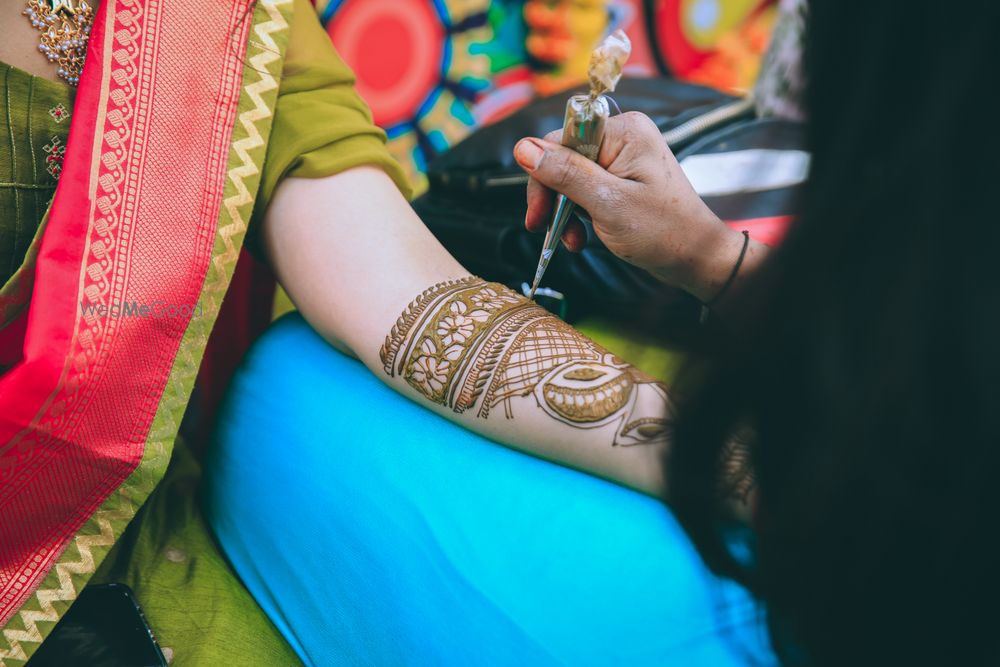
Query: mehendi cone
{"x": 583, "y": 130}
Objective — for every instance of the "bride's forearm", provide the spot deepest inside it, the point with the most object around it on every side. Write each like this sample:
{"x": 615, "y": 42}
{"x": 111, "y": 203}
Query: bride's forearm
{"x": 366, "y": 273}
{"x": 499, "y": 364}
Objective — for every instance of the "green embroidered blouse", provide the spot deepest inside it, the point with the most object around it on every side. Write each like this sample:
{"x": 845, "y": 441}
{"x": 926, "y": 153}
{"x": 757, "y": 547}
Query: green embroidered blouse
{"x": 34, "y": 123}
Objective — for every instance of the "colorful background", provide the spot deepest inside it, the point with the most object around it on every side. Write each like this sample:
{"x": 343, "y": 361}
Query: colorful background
{"x": 434, "y": 70}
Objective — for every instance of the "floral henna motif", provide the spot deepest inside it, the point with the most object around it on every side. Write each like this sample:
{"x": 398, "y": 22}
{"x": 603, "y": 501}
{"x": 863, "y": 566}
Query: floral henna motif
{"x": 457, "y": 327}
{"x": 470, "y": 344}
{"x": 407, "y": 321}
{"x": 434, "y": 337}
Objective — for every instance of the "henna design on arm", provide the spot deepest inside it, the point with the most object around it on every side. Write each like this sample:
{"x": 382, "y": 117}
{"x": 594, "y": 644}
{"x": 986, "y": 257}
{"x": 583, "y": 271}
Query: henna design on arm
{"x": 470, "y": 345}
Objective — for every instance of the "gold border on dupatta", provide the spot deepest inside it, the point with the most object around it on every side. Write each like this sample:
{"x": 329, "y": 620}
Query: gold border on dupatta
{"x": 87, "y": 549}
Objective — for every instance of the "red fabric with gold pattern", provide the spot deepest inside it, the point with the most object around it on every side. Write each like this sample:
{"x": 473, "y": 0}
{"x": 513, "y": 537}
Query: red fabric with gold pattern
{"x": 133, "y": 220}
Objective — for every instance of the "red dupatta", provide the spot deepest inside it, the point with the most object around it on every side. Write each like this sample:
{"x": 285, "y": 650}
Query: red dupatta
{"x": 150, "y": 210}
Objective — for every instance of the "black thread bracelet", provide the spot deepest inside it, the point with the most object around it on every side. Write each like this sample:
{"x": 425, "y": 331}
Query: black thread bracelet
{"x": 706, "y": 307}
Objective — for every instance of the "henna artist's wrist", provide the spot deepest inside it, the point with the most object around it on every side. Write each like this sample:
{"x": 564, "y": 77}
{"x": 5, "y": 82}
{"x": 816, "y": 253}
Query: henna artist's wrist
{"x": 702, "y": 265}
{"x": 715, "y": 266}
{"x": 735, "y": 257}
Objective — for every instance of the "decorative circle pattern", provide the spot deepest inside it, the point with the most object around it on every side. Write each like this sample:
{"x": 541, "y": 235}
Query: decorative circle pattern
{"x": 687, "y": 33}
{"x": 421, "y": 65}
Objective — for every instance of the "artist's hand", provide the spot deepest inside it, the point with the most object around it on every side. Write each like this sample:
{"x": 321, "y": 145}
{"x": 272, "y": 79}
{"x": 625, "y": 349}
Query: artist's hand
{"x": 642, "y": 206}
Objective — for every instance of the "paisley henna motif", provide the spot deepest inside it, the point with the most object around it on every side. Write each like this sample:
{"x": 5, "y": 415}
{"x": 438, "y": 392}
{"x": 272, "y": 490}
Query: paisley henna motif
{"x": 574, "y": 395}
{"x": 470, "y": 345}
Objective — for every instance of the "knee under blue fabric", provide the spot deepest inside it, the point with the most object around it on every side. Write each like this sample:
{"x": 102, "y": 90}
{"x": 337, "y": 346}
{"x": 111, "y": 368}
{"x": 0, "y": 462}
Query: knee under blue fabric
{"x": 374, "y": 532}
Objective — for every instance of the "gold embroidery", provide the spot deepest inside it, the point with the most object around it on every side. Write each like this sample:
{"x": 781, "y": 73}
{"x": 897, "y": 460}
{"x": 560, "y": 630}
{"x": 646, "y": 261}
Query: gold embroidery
{"x": 59, "y": 113}
{"x": 56, "y": 150}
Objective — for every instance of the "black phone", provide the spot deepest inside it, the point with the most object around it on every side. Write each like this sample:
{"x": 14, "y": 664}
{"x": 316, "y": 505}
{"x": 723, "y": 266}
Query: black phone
{"x": 105, "y": 627}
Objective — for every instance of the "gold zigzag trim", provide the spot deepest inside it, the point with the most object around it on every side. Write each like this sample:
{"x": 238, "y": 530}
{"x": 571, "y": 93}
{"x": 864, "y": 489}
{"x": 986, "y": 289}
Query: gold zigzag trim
{"x": 85, "y": 544}
{"x": 267, "y": 54}
{"x": 60, "y": 588}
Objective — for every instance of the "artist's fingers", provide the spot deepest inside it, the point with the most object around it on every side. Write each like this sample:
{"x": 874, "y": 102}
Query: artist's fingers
{"x": 574, "y": 236}
{"x": 633, "y": 146}
{"x": 539, "y": 206}
{"x": 566, "y": 171}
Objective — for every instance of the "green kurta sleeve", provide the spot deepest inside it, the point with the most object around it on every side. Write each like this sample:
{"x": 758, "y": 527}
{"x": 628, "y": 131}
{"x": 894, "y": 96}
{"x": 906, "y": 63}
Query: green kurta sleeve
{"x": 321, "y": 126}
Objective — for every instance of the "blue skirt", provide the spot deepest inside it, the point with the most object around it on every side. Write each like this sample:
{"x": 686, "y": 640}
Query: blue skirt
{"x": 373, "y": 532}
